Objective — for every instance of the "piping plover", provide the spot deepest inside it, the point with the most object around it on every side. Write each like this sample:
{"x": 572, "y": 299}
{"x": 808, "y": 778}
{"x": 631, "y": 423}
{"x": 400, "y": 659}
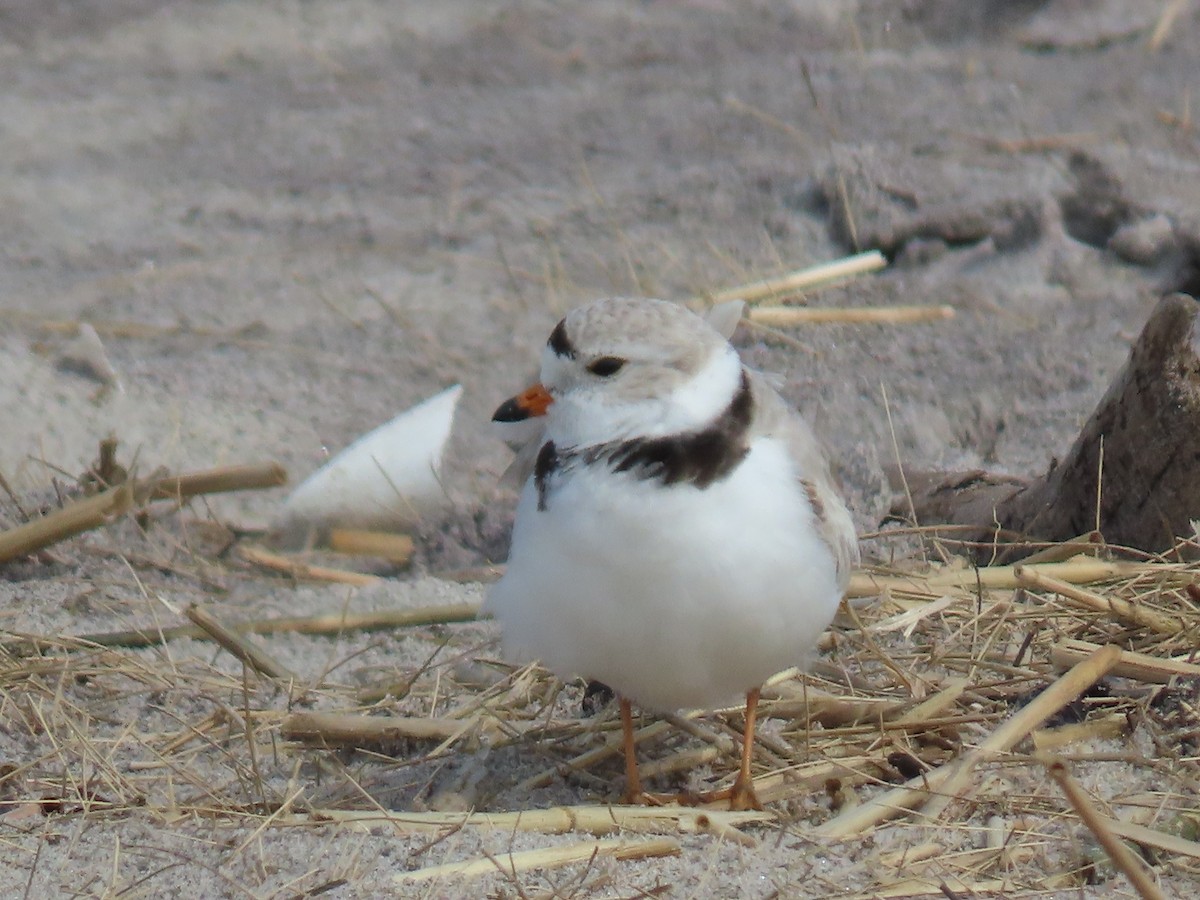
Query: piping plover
{"x": 678, "y": 536}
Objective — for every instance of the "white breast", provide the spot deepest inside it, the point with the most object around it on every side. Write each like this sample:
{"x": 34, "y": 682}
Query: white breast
{"x": 675, "y": 596}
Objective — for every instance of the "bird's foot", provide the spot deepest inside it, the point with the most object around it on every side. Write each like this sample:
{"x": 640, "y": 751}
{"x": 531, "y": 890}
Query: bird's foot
{"x": 645, "y": 798}
{"x": 741, "y": 796}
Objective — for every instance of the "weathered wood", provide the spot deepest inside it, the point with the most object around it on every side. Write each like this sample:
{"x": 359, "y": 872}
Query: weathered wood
{"x": 1134, "y": 469}
{"x": 967, "y": 498}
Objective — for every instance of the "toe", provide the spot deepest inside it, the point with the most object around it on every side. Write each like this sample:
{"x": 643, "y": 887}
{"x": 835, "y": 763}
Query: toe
{"x": 742, "y": 797}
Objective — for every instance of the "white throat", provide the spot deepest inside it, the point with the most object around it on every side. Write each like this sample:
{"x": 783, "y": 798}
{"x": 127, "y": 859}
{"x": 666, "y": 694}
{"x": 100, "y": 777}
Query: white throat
{"x": 580, "y": 421}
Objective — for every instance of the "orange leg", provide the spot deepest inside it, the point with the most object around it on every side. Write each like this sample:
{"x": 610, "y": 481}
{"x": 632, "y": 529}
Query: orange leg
{"x": 741, "y": 795}
{"x": 633, "y": 781}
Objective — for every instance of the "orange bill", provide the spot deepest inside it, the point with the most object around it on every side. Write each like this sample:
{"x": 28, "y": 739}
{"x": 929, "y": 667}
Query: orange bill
{"x": 531, "y": 402}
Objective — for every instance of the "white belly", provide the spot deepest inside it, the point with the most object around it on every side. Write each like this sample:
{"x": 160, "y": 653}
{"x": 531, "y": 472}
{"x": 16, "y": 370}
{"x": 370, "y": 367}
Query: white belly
{"x": 675, "y": 597}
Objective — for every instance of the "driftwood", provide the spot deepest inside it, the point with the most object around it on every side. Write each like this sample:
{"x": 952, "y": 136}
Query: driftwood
{"x": 1133, "y": 473}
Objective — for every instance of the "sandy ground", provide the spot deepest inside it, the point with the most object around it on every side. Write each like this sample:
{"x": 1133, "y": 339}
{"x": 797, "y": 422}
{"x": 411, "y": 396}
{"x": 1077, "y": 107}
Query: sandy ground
{"x": 289, "y": 221}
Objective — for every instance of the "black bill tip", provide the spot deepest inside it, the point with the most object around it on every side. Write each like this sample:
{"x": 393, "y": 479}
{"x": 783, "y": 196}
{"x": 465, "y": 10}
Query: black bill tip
{"x": 510, "y": 411}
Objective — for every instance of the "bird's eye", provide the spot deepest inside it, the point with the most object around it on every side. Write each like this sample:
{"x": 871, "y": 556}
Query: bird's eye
{"x": 606, "y": 366}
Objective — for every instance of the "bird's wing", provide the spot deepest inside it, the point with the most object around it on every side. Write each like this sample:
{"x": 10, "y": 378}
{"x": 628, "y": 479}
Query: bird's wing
{"x": 774, "y": 418}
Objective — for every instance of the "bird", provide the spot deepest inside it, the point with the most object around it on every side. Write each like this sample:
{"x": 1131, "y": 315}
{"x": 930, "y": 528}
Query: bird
{"x": 679, "y": 535}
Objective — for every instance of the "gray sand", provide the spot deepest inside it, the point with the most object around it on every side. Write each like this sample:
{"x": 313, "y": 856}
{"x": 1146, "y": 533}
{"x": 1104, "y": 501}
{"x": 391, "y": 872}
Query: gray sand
{"x": 324, "y": 213}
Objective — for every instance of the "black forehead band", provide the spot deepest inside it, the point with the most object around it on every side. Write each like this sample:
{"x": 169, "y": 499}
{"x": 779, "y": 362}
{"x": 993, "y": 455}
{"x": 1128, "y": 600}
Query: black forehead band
{"x": 559, "y": 342}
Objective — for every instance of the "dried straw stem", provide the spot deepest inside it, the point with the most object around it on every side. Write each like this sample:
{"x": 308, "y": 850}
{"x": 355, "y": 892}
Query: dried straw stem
{"x": 1122, "y": 858}
{"x": 222, "y": 480}
{"x": 1138, "y": 666}
{"x": 1150, "y": 837}
{"x": 1080, "y": 570}
{"x": 119, "y": 328}
{"x": 1118, "y": 608}
{"x": 72, "y": 519}
{"x": 331, "y": 623}
{"x": 510, "y": 864}
{"x": 805, "y": 279}
{"x": 950, "y": 778}
{"x": 333, "y": 729}
{"x": 784, "y": 316}
{"x": 590, "y": 758}
{"x": 594, "y": 820}
{"x": 1036, "y": 144}
{"x": 949, "y": 886}
{"x": 1047, "y": 739}
{"x": 396, "y": 548}
{"x": 1063, "y": 691}
{"x": 1090, "y": 542}
{"x": 934, "y": 706}
{"x": 301, "y": 570}
{"x": 683, "y": 761}
{"x": 1166, "y": 22}
{"x": 788, "y": 700}
{"x": 244, "y": 649}
{"x": 93, "y": 512}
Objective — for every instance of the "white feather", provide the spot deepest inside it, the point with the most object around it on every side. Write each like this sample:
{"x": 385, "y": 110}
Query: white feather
{"x": 674, "y": 596}
{"x": 386, "y": 480}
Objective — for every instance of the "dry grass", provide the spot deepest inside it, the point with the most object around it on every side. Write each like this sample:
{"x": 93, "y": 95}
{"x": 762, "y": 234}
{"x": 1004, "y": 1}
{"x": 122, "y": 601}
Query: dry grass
{"x": 914, "y": 751}
{"x": 921, "y": 724}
